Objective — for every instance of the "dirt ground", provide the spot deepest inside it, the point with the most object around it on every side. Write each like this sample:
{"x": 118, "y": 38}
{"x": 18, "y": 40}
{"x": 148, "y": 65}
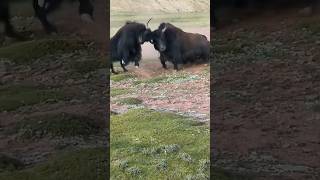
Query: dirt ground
{"x": 265, "y": 116}
{"x": 190, "y": 98}
{"x": 53, "y": 71}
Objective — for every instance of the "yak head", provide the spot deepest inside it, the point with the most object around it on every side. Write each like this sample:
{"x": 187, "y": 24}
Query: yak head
{"x": 159, "y": 39}
{"x": 86, "y": 11}
{"x": 145, "y": 34}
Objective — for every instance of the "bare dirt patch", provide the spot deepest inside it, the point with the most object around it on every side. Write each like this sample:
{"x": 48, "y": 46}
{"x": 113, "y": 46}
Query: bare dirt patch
{"x": 263, "y": 120}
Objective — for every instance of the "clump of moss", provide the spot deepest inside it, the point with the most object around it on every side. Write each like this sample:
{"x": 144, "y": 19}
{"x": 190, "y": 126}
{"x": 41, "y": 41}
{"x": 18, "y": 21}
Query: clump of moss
{"x": 121, "y": 77}
{"x": 90, "y": 163}
{"x": 86, "y": 66}
{"x": 162, "y": 165}
{"x": 185, "y": 157}
{"x": 118, "y": 91}
{"x": 8, "y": 163}
{"x": 134, "y": 171}
{"x": 15, "y": 96}
{"x": 56, "y": 125}
{"x": 28, "y": 51}
{"x": 130, "y": 101}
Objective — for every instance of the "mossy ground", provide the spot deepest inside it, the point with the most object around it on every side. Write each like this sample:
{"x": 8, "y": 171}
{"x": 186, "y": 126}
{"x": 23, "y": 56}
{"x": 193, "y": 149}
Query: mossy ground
{"x": 146, "y": 144}
{"x": 56, "y": 125}
{"x": 130, "y": 101}
{"x": 15, "y": 96}
{"x": 85, "y": 164}
{"x": 28, "y": 51}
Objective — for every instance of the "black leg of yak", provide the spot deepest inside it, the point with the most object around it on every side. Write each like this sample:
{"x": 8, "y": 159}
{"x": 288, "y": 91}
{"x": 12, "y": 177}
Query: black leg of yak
{"x": 112, "y": 69}
{"x": 177, "y": 60}
{"x": 163, "y": 61}
{"x": 125, "y": 58}
{"x": 123, "y": 67}
{"x": 41, "y": 13}
{"x": 5, "y": 17}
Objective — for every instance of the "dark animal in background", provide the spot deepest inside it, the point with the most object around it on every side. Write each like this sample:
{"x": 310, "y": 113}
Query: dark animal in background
{"x": 178, "y": 46}
{"x": 5, "y": 19}
{"x": 43, "y": 7}
{"x": 126, "y": 44}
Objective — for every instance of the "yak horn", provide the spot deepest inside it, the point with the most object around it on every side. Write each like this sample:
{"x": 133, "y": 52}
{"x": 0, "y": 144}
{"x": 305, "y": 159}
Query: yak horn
{"x": 86, "y": 18}
{"x": 148, "y": 21}
{"x": 164, "y": 29}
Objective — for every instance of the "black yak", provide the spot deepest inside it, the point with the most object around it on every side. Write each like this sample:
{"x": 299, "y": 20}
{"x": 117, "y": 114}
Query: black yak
{"x": 43, "y": 7}
{"x": 126, "y": 44}
{"x": 178, "y": 46}
{"x": 5, "y": 19}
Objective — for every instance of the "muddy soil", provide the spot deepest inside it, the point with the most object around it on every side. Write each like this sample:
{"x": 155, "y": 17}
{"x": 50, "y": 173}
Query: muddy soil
{"x": 190, "y": 97}
{"x": 265, "y": 120}
{"x": 85, "y": 91}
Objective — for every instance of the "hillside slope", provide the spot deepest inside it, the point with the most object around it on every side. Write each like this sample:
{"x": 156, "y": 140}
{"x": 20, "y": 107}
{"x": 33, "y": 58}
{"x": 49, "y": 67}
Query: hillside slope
{"x": 169, "y": 6}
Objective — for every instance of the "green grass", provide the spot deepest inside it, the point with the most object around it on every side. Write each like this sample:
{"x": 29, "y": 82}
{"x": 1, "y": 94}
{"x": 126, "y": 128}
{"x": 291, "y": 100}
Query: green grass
{"x": 130, "y": 101}
{"x": 118, "y": 91}
{"x": 176, "y": 78}
{"x": 8, "y": 163}
{"x": 220, "y": 174}
{"x": 28, "y": 51}
{"x": 15, "y": 96}
{"x": 146, "y": 144}
{"x": 87, "y": 65}
{"x": 85, "y": 164}
{"x": 121, "y": 77}
{"x": 56, "y": 125}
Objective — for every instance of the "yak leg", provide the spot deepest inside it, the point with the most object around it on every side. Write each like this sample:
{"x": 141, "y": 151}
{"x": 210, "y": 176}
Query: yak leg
{"x": 41, "y": 12}
{"x": 137, "y": 59}
{"x": 163, "y": 61}
{"x": 177, "y": 60}
{"x": 125, "y": 60}
{"x": 123, "y": 67}
{"x": 5, "y": 17}
{"x": 112, "y": 69}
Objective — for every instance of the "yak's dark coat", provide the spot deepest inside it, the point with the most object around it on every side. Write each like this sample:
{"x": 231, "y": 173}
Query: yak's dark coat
{"x": 178, "y": 46}
{"x": 126, "y": 44}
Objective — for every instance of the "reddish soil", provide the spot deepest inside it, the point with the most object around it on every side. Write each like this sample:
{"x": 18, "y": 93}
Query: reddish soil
{"x": 190, "y": 97}
{"x": 269, "y": 125}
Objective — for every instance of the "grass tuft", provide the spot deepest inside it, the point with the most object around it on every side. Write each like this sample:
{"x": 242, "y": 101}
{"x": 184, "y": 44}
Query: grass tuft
{"x": 130, "y": 101}
{"x": 8, "y": 163}
{"x": 185, "y": 157}
{"x": 134, "y": 171}
{"x": 91, "y": 163}
{"x": 118, "y": 91}
{"x": 28, "y": 51}
{"x": 56, "y": 125}
{"x": 152, "y": 140}
{"x": 121, "y": 77}
{"x": 14, "y": 96}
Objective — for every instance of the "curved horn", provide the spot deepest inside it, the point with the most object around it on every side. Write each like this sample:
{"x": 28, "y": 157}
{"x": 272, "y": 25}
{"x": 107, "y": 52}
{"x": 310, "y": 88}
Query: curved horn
{"x": 164, "y": 29}
{"x": 148, "y": 21}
